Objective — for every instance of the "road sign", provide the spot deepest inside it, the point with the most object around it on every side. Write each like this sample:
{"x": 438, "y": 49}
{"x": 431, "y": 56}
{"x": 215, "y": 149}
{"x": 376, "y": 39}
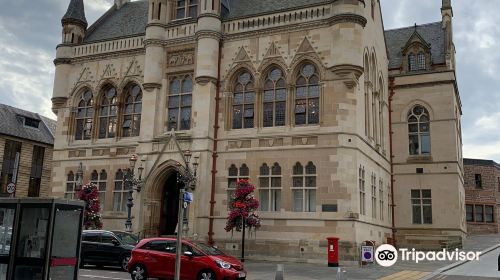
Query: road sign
{"x": 367, "y": 253}
{"x": 11, "y": 188}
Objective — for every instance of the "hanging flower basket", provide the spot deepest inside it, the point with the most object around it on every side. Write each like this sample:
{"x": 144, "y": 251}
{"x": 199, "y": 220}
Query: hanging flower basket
{"x": 243, "y": 205}
{"x": 92, "y": 218}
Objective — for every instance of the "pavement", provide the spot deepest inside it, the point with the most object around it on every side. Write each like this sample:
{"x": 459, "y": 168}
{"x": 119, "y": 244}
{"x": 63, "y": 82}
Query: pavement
{"x": 484, "y": 269}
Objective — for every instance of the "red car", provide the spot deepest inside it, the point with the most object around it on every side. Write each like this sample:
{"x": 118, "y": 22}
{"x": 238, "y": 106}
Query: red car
{"x": 155, "y": 258}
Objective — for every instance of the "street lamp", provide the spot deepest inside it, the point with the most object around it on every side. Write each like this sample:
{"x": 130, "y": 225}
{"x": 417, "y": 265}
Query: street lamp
{"x": 186, "y": 178}
{"x": 132, "y": 183}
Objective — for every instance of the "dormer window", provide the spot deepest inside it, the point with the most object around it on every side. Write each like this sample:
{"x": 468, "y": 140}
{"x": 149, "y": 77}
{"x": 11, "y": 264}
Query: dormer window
{"x": 31, "y": 122}
{"x": 186, "y": 9}
{"x": 417, "y": 62}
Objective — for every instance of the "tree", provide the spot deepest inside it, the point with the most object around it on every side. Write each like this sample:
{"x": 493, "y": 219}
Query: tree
{"x": 242, "y": 206}
{"x": 92, "y": 218}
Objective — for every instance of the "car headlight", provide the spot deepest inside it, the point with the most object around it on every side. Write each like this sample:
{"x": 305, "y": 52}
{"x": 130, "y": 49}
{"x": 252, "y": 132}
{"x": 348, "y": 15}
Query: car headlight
{"x": 223, "y": 264}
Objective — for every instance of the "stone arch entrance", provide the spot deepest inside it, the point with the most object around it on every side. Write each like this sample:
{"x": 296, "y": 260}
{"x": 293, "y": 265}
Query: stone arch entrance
{"x": 161, "y": 201}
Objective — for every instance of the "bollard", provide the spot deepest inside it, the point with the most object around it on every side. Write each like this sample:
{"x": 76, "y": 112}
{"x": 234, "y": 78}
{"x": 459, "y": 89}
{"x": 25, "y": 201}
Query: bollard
{"x": 340, "y": 274}
{"x": 280, "y": 274}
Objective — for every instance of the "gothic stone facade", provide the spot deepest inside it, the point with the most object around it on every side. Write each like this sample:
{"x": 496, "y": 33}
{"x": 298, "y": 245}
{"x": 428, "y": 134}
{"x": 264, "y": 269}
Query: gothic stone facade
{"x": 294, "y": 98}
{"x": 482, "y": 195}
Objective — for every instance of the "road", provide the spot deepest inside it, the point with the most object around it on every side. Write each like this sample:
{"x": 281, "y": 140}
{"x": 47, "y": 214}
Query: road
{"x": 90, "y": 273}
{"x": 484, "y": 269}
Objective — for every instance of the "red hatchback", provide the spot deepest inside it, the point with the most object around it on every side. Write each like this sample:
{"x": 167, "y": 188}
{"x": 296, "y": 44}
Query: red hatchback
{"x": 155, "y": 258}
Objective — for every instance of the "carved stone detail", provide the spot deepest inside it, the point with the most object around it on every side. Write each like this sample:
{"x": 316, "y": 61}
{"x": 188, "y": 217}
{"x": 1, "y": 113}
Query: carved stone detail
{"x": 348, "y": 73}
{"x": 85, "y": 76}
{"x": 180, "y": 58}
{"x": 133, "y": 69}
{"x": 108, "y": 72}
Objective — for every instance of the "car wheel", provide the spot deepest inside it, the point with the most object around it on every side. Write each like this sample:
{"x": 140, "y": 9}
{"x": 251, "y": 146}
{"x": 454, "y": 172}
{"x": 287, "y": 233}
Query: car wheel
{"x": 139, "y": 272}
{"x": 124, "y": 262}
{"x": 206, "y": 275}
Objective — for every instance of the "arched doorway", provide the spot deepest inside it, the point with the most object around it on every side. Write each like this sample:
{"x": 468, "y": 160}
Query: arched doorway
{"x": 169, "y": 205}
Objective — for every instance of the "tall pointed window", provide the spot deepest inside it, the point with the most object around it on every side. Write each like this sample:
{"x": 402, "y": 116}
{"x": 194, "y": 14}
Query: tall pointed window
{"x": 235, "y": 174}
{"x": 421, "y": 61}
{"x": 307, "y": 96}
{"x": 100, "y": 179}
{"x": 304, "y": 187}
{"x": 412, "y": 62}
{"x": 418, "y": 131}
{"x": 381, "y": 198}
{"x": 362, "y": 191}
{"x": 374, "y": 195}
{"x": 132, "y": 112}
{"x": 71, "y": 188}
{"x": 270, "y": 187}
{"x": 274, "y": 99}
{"x": 179, "y": 103}
{"x": 120, "y": 193}
{"x": 84, "y": 117}
{"x": 243, "y": 102}
{"x": 107, "y": 114}
{"x": 186, "y": 8}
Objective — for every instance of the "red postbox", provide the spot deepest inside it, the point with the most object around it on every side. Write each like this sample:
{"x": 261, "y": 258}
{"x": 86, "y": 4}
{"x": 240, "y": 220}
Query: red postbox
{"x": 333, "y": 251}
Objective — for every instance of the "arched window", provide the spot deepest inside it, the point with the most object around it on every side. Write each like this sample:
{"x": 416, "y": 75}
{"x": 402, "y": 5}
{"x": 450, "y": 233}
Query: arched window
{"x": 412, "y": 62}
{"x": 71, "y": 187}
{"x": 107, "y": 114}
{"x": 421, "y": 61}
{"x": 186, "y": 8}
{"x": 270, "y": 188}
{"x": 132, "y": 112}
{"x": 120, "y": 193}
{"x": 362, "y": 191}
{"x": 84, "y": 117}
{"x": 243, "y": 102}
{"x": 233, "y": 176}
{"x": 274, "y": 99}
{"x": 418, "y": 131}
{"x": 179, "y": 103}
{"x": 304, "y": 188}
{"x": 307, "y": 96}
{"x": 367, "y": 95}
{"x": 100, "y": 179}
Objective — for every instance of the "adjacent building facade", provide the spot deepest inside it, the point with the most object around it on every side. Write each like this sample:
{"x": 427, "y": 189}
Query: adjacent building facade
{"x": 482, "y": 195}
{"x": 26, "y": 146}
{"x": 295, "y": 97}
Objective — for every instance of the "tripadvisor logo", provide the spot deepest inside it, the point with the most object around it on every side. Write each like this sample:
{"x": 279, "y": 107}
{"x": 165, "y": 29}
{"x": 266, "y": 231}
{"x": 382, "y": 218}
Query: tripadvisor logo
{"x": 386, "y": 255}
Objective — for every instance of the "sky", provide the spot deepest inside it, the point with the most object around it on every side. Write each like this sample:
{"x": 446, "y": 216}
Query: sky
{"x": 30, "y": 30}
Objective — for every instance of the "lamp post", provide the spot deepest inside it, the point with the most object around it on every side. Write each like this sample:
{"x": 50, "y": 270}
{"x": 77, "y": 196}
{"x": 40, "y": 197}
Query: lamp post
{"x": 132, "y": 183}
{"x": 186, "y": 178}
{"x": 79, "y": 177}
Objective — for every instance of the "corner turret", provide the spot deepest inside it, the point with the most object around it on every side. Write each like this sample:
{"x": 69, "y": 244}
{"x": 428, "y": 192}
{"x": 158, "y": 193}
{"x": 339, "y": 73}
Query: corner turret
{"x": 447, "y": 21}
{"x": 74, "y": 23}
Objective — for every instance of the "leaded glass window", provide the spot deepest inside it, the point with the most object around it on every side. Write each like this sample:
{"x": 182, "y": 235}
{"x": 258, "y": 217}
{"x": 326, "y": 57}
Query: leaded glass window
{"x": 274, "y": 99}
{"x": 132, "y": 112}
{"x": 304, "y": 187}
{"x": 362, "y": 192}
{"x": 270, "y": 187}
{"x": 243, "y": 102}
{"x": 72, "y": 190}
{"x": 186, "y": 9}
{"x": 100, "y": 179}
{"x": 108, "y": 114}
{"x": 418, "y": 131}
{"x": 235, "y": 174}
{"x": 421, "y": 61}
{"x": 179, "y": 103}
{"x": 120, "y": 192}
{"x": 84, "y": 117}
{"x": 307, "y": 93}
{"x": 412, "y": 62}
{"x": 421, "y": 203}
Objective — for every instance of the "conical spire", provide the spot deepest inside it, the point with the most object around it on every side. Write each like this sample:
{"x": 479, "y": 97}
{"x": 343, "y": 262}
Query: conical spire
{"x": 75, "y": 13}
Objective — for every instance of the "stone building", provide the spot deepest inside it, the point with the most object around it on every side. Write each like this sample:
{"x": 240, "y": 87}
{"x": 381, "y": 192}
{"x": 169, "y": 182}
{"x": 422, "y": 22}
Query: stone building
{"x": 294, "y": 96}
{"x": 482, "y": 195}
{"x": 26, "y": 146}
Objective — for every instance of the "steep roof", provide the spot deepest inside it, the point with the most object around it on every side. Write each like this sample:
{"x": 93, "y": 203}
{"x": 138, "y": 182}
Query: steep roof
{"x": 242, "y": 8}
{"x": 432, "y": 33}
{"x": 131, "y": 19}
{"x": 480, "y": 162}
{"x": 12, "y": 125}
{"x": 75, "y": 12}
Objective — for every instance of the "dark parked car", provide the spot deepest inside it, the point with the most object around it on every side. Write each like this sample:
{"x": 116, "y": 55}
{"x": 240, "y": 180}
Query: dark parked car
{"x": 126, "y": 237}
{"x": 155, "y": 258}
{"x": 104, "y": 248}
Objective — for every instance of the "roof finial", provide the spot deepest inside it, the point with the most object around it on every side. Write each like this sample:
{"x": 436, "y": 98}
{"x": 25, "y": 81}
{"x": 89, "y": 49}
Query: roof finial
{"x": 75, "y": 13}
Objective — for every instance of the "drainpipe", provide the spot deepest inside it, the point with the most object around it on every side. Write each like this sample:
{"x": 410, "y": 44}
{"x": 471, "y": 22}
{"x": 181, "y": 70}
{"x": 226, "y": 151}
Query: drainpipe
{"x": 214, "y": 152}
{"x": 391, "y": 94}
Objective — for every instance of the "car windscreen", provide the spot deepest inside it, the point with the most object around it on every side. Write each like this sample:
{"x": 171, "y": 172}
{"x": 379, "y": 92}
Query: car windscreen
{"x": 209, "y": 250}
{"x": 127, "y": 238}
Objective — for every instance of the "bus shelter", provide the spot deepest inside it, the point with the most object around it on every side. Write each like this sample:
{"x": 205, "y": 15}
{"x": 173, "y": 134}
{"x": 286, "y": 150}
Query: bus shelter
{"x": 40, "y": 238}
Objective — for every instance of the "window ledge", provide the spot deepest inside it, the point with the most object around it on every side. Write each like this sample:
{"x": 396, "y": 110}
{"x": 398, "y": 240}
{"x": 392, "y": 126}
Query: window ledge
{"x": 419, "y": 159}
